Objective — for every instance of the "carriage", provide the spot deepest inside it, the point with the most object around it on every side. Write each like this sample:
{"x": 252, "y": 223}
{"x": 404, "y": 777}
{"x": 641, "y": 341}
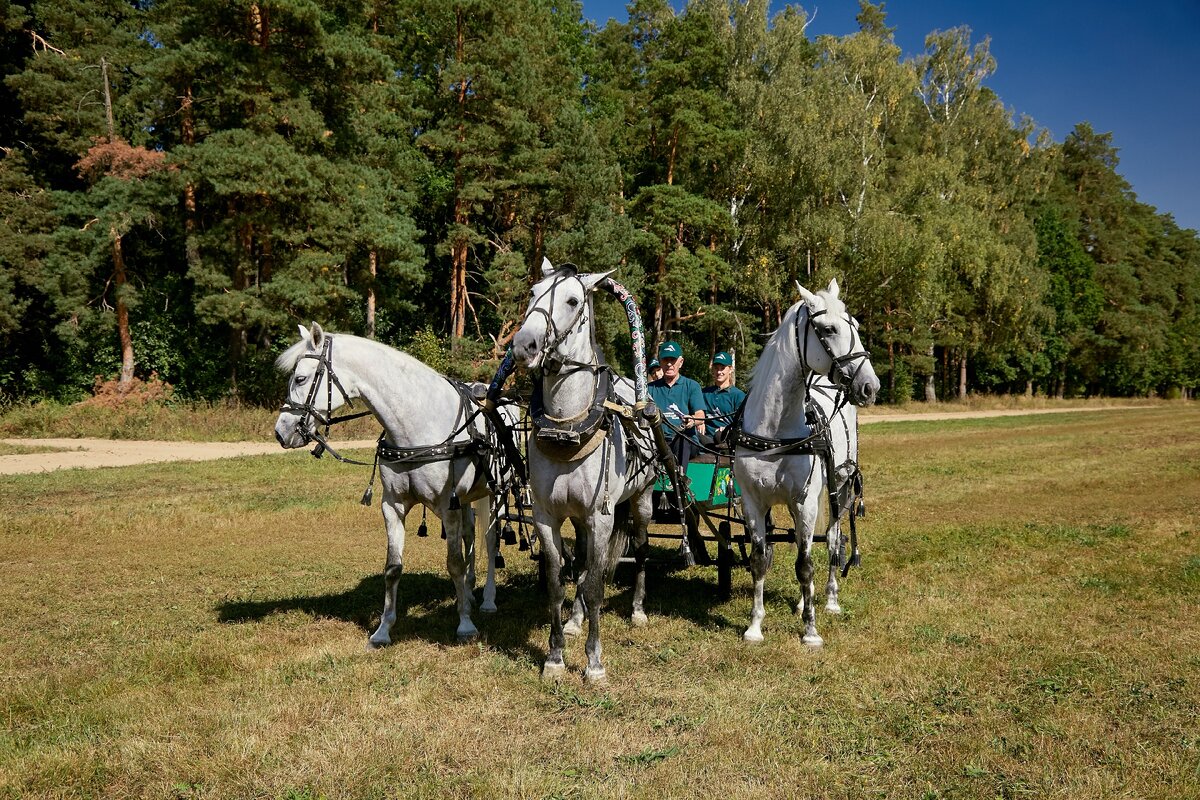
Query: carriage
{"x": 711, "y": 518}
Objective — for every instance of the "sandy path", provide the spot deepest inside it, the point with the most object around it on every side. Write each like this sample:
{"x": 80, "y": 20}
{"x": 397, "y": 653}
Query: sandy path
{"x": 90, "y": 453}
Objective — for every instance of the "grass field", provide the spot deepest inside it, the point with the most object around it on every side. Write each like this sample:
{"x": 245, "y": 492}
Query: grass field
{"x": 1025, "y": 624}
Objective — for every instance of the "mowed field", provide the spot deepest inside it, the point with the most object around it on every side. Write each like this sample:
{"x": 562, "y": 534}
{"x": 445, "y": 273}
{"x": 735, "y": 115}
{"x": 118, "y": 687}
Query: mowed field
{"x": 1025, "y": 624}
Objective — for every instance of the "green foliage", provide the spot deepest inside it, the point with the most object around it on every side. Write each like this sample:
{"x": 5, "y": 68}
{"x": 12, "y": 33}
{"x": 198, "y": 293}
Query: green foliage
{"x": 219, "y": 173}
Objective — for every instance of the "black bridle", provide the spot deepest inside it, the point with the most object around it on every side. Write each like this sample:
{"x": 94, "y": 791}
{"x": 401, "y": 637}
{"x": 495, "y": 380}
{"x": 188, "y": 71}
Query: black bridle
{"x": 309, "y": 410}
{"x": 553, "y": 336}
{"x": 838, "y": 372}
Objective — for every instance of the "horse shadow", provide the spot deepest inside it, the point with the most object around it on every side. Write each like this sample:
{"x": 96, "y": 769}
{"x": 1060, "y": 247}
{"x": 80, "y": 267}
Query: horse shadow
{"x": 426, "y": 609}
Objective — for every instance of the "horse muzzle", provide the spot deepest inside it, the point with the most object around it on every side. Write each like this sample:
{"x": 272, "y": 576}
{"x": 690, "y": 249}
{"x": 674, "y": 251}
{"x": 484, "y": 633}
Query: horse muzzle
{"x": 527, "y": 347}
{"x": 865, "y": 388}
{"x": 289, "y": 433}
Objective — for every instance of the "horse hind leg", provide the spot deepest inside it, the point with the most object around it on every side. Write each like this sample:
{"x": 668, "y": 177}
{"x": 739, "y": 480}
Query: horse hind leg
{"x": 640, "y": 510}
{"x": 456, "y": 523}
{"x": 484, "y": 511}
{"x": 394, "y": 513}
{"x": 592, "y": 589}
{"x": 554, "y": 668}
{"x": 805, "y": 517}
{"x": 833, "y": 537}
{"x": 574, "y": 625}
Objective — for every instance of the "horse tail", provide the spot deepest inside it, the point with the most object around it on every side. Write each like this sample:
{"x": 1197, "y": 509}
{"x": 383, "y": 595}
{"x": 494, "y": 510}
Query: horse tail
{"x": 618, "y": 541}
{"x": 483, "y": 520}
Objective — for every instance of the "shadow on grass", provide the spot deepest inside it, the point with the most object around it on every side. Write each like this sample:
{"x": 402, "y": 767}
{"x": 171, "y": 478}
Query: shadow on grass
{"x": 427, "y": 611}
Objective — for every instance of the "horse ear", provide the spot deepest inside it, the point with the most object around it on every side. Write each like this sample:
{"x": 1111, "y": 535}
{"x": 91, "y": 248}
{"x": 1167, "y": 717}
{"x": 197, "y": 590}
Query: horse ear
{"x": 833, "y": 287}
{"x": 547, "y": 267}
{"x": 305, "y": 336}
{"x": 806, "y": 295}
{"x": 592, "y": 280}
{"x": 317, "y": 336}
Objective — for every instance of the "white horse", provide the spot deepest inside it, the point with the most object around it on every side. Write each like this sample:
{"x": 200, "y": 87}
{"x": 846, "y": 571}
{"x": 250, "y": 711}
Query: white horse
{"x": 600, "y": 462}
{"x": 841, "y": 420}
{"x": 435, "y": 452}
{"x": 771, "y": 464}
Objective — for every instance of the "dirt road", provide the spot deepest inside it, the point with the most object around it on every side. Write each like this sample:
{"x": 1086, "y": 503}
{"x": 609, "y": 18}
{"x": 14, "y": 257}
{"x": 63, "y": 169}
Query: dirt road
{"x": 91, "y": 453}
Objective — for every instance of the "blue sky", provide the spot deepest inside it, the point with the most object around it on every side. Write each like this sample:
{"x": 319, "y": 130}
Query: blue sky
{"x": 1129, "y": 68}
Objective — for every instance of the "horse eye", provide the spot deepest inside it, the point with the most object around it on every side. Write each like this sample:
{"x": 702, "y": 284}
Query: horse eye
{"x": 300, "y": 379}
{"x": 573, "y": 302}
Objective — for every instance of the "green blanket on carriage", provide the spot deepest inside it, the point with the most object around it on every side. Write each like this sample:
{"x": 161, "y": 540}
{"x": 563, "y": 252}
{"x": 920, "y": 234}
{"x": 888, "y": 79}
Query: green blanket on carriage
{"x": 712, "y": 484}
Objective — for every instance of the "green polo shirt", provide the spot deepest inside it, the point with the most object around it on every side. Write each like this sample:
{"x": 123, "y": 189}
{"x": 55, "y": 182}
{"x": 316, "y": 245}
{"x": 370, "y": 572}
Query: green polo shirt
{"x": 721, "y": 402}
{"x": 683, "y": 399}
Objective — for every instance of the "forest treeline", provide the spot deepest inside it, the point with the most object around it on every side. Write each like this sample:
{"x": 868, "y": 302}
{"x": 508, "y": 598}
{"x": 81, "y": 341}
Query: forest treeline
{"x": 182, "y": 181}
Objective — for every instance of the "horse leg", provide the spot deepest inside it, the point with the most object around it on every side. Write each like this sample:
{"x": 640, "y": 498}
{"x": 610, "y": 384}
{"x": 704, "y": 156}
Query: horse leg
{"x": 592, "y": 589}
{"x": 394, "y": 512}
{"x": 640, "y": 510}
{"x": 759, "y": 566}
{"x": 833, "y": 538}
{"x": 455, "y": 524}
{"x": 805, "y": 515}
{"x": 468, "y": 545}
{"x": 483, "y": 508}
{"x": 550, "y": 533}
{"x": 574, "y": 625}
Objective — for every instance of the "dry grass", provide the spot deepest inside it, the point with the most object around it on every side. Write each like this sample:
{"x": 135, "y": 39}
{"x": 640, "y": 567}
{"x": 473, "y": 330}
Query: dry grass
{"x": 1025, "y": 625}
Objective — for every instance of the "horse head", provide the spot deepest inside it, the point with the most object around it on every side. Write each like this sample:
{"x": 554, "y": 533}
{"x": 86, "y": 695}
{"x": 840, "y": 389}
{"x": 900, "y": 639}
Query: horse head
{"x": 830, "y": 345}
{"x": 314, "y": 392}
{"x": 561, "y": 310}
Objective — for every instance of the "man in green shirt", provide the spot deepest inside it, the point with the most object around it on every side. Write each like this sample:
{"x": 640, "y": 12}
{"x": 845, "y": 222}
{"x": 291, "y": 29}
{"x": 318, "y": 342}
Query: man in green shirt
{"x": 680, "y": 400}
{"x": 722, "y": 398}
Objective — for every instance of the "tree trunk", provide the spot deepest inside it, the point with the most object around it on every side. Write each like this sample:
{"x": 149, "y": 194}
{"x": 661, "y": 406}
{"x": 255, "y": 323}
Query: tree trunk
{"x": 930, "y": 383}
{"x": 120, "y": 281}
{"x": 892, "y": 373}
{"x": 373, "y": 262}
{"x": 191, "y": 244}
{"x": 1029, "y": 387}
{"x": 962, "y": 376}
{"x": 458, "y": 246}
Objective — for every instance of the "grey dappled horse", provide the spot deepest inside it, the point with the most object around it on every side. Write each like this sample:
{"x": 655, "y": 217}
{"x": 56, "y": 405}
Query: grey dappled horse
{"x": 816, "y": 335}
{"x": 557, "y": 338}
{"x": 434, "y": 460}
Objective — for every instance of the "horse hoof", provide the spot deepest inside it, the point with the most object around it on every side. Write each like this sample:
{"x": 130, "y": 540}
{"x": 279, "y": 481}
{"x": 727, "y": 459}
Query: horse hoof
{"x": 553, "y": 673}
{"x": 467, "y": 636}
{"x": 377, "y": 644}
{"x": 571, "y": 628}
{"x": 488, "y": 608}
{"x": 812, "y": 640}
{"x": 639, "y": 619}
{"x": 595, "y": 677}
{"x": 833, "y": 608}
{"x": 752, "y": 637}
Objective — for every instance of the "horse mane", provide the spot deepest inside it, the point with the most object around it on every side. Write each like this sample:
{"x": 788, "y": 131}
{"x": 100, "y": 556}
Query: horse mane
{"x": 288, "y": 359}
{"x": 768, "y": 360}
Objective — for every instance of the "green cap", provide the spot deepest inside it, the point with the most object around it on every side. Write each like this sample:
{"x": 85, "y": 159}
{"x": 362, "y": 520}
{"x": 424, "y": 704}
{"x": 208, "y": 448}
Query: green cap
{"x": 670, "y": 350}
{"x": 723, "y": 358}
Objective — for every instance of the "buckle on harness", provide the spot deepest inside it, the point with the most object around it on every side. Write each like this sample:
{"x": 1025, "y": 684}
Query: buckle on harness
{"x": 560, "y": 436}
